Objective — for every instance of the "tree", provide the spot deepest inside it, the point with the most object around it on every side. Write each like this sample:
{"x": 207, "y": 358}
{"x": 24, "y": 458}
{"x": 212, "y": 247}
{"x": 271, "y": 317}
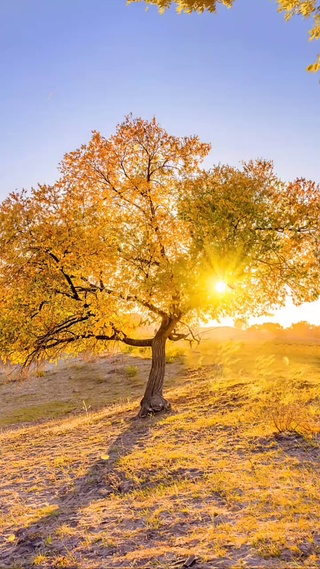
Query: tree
{"x": 135, "y": 227}
{"x": 273, "y": 328}
{"x": 301, "y": 330}
{"x": 258, "y": 234}
{"x": 307, "y": 9}
{"x": 240, "y": 324}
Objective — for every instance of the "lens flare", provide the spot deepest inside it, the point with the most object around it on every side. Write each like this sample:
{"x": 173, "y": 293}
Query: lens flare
{"x": 221, "y": 287}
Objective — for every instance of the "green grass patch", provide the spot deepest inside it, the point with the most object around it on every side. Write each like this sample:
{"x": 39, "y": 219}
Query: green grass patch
{"x": 42, "y": 411}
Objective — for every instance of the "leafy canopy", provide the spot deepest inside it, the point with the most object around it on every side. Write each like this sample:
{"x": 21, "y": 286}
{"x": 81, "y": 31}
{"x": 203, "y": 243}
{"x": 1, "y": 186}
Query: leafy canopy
{"x": 258, "y": 234}
{"x": 307, "y": 9}
{"x": 134, "y": 231}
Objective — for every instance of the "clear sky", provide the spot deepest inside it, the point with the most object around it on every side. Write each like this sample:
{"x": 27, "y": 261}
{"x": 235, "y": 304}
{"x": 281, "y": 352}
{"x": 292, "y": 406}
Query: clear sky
{"x": 237, "y": 79}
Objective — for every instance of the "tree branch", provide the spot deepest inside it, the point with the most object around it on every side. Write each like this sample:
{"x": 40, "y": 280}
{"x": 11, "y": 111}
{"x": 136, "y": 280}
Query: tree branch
{"x": 131, "y": 298}
{"x": 175, "y": 337}
{"x": 51, "y": 339}
{"x": 142, "y": 343}
{"x": 284, "y": 228}
{"x": 66, "y": 276}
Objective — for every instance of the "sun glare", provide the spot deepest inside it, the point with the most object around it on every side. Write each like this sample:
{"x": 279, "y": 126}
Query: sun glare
{"x": 221, "y": 286}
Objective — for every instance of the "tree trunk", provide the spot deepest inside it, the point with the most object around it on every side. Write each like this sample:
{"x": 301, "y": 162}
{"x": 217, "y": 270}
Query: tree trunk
{"x": 153, "y": 400}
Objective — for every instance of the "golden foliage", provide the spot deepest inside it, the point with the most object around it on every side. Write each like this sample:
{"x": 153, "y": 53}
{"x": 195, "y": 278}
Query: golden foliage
{"x": 81, "y": 258}
{"x": 307, "y": 9}
{"x": 134, "y": 231}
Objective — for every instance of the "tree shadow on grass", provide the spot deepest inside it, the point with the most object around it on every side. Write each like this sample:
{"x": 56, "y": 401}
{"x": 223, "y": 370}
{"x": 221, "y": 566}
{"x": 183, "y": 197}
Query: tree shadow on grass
{"x": 102, "y": 480}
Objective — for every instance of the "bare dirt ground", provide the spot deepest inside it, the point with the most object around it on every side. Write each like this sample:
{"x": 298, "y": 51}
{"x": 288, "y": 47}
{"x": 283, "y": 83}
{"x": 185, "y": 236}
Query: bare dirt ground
{"x": 73, "y": 386}
{"x": 212, "y": 484}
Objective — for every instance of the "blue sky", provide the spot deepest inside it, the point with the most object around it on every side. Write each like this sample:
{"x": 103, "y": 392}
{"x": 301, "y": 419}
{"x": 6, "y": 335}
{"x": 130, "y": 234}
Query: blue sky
{"x": 237, "y": 79}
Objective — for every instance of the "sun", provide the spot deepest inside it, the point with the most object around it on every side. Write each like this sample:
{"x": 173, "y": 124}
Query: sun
{"x": 221, "y": 286}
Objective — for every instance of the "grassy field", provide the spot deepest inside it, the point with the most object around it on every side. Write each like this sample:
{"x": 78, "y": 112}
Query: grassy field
{"x": 229, "y": 476}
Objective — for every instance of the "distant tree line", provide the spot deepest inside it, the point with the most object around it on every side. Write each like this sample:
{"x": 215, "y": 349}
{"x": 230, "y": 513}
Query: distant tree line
{"x": 299, "y": 330}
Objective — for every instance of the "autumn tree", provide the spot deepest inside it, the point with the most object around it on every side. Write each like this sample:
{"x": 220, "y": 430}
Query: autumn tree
{"x": 301, "y": 330}
{"x": 273, "y": 328}
{"x": 258, "y": 234}
{"x": 82, "y": 257}
{"x": 134, "y": 229}
{"x": 307, "y": 9}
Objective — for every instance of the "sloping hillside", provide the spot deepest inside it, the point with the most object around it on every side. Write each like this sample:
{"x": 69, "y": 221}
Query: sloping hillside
{"x": 229, "y": 478}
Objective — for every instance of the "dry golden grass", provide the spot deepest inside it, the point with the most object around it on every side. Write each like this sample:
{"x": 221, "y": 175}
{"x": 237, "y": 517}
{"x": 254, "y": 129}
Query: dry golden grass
{"x": 231, "y": 475}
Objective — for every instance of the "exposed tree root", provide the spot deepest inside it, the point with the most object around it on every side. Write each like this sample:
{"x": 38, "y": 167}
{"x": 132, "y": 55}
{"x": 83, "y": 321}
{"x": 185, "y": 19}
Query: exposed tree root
{"x": 154, "y": 404}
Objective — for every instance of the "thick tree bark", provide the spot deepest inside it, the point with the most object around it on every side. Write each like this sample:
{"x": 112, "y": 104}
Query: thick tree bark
{"x": 153, "y": 400}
